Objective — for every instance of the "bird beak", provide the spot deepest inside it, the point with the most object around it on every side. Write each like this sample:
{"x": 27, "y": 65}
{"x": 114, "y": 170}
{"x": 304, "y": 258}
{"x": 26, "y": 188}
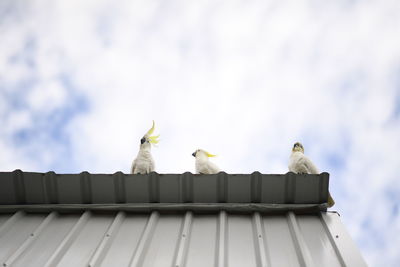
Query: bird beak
{"x": 194, "y": 154}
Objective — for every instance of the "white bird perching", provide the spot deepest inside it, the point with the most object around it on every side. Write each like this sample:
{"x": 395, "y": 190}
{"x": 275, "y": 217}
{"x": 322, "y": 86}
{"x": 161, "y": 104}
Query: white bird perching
{"x": 299, "y": 163}
{"x": 203, "y": 165}
{"x": 144, "y": 162}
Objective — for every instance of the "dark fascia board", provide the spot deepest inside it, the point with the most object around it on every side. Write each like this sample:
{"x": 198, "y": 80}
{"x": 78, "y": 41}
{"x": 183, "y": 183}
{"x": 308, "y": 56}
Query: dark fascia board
{"x": 30, "y": 188}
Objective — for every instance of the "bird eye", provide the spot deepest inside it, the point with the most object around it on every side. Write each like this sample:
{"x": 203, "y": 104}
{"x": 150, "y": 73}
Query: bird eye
{"x": 142, "y": 140}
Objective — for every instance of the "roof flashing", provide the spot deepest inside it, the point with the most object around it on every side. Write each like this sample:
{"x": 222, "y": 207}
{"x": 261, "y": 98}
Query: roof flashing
{"x": 154, "y": 191}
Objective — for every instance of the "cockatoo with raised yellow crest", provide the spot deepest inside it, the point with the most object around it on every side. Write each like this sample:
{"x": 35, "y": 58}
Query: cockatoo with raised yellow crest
{"x": 203, "y": 165}
{"x": 299, "y": 163}
{"x": 144, "y": 162}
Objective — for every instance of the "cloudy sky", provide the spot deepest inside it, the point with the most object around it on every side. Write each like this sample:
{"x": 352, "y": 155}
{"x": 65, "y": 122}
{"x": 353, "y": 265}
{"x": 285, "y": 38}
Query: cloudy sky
{"x": 81, "y": 82}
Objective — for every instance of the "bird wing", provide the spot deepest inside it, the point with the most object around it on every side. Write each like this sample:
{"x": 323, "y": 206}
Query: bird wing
{"x": 299, "y": 163}
{"x": 133, "y": 168}
{"x": 151, "y": 166}
{"x": 207, "y": 168}
{"x": 213, "y": 168}
{"x": 308, "y": 165}
{"x": 202, "y": 169}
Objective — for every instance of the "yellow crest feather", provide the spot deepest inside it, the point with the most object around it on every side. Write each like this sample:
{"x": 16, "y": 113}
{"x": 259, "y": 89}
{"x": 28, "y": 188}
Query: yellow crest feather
{"x": 153, "y": 139}
{"x": 149, "y": 132}
{"x": 210, "y": 155}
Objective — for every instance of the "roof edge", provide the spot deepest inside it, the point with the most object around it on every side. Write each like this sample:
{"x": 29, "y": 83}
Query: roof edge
{"x": 172, "y": 207}
{"x": 23, "y": 188}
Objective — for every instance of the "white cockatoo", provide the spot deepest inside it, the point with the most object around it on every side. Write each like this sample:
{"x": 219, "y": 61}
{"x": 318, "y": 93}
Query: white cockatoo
{"x": 203, "y": 165}
{"x": 144, "y": 162}
{"x": 299, "y": 163}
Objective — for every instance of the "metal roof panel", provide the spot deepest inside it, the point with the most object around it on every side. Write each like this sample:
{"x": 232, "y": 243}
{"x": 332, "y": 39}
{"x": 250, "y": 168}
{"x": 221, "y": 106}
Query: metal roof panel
{"x": 181, "y": 239}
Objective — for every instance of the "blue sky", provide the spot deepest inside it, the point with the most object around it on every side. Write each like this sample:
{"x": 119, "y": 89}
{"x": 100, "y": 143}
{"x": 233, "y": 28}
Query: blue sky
{"x": 80, "y": 83}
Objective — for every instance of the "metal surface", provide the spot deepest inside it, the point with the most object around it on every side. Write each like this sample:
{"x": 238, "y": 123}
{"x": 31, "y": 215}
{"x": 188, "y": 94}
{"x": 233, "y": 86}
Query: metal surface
{"x": 184, "y": 239}
{"x": 171, "y": 207}
{"x": 222, "y": 220}
{"x": 49, "y": 188}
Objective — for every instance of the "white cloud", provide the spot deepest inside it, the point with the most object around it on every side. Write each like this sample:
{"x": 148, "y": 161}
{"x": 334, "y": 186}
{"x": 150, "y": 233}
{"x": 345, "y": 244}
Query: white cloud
{"x": 46, "y": 96}
{"x": 243, "y": 80}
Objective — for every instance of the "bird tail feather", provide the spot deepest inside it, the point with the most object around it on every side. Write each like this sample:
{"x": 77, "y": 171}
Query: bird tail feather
{"x": 331, "y": 202}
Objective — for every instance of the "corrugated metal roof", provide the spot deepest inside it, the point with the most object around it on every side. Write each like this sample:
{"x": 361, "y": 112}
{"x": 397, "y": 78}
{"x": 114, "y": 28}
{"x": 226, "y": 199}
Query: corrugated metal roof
{"x": 170, "y": 220}
{"x": 50, "y": 188}
{"x": 187, "y": 239}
